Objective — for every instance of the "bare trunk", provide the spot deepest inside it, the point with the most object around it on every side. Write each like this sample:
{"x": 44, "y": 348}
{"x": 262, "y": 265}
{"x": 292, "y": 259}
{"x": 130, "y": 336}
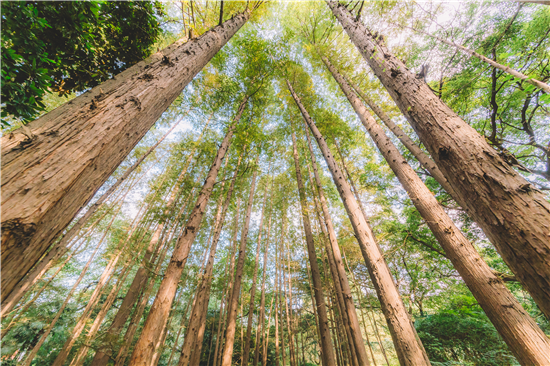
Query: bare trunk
{"x": 520, "y": 332}
{"x": 251, "y": 305}
{"x": 337, "y": 267}
{"x": 326, "y": 344}
{"x": 261, "y": 317}
{"x": 265, "y": 343}
{"x": 513, "y": 215}
{"x": 101, "y": 357}
{"x": 203, "y": 294}
{"x": 227, "y": 354}
{"x": 97, "y": 130}
{"x": 420, "y": 155}
{"x": 409, "y": 348}
{"x": 158, "y": 315}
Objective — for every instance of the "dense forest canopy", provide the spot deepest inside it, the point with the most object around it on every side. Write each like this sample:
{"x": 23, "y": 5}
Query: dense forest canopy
{"x": 302, "y": 182}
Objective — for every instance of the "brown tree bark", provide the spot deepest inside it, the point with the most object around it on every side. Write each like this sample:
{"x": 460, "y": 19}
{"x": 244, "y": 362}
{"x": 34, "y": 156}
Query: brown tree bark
{"x": 203, "y": 293}
{"x": 420, "y": 155}
{"x": 158, "y": 315}
{"x": 261, "y": 318}
{"x": 336, "y": 265}
{"x": 227, "y": 354}
{"x": 408, "y": 346}
{"x": 520, "y": 332}
{"x": 60, "y": 248}
{"x": 513, "y": 215}
{"x": 101, "y": 358}
{"x": 251, "y": 305}
{"x": 94, "y": 130}
{"x": 326, "y": 344}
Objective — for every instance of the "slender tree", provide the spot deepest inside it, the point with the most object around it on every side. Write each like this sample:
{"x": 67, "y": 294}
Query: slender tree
{"x": 408, "y": 346}
{"x": 512, "y": 214}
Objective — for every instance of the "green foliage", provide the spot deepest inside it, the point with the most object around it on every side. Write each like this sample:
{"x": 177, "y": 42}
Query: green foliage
{"x": 69, "y": 46}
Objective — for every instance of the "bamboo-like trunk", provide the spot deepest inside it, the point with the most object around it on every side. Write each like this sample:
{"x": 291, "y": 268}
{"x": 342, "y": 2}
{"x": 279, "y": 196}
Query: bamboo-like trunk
{"x": 265, "y": 343}
{"x": 520, "y": 332}
{"x": 203, "y": 293}
{"x": 513, "y": 215}
{"x": 227, "y": 354}
{"x": 158, "y": 315}
{"x": 326, "y": 344}
{"x": 102, "y": 356}
{"x": 408, "y": 345}
{"x": 251, "y": 304}
{"x": 261, "y": 318}
{"x": 97, "y": 130}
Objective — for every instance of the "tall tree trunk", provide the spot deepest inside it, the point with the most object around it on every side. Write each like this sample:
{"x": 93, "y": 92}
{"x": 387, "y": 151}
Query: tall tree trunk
{"x": 520, "y": 332}
{"x": 139, "y": 282}
{"x": 251, "y": 305}
{"x": 261, "y": 318}
{"x": 265, "y": 343}
{"x": 336, "y": 265}
{"x": 158, "y": 315}
{"x": 514, "y": 216}
{"x": 289, "y": 312}
{"x": 227, "y": 354}
{"x": 420, "y": 155}
{"x": 203, "y": 293}
{"x": 97, "y": 130}
{"x": 407, "y": 344}
{"x": 326, "y": 343}
{"x": 60, "y": 248}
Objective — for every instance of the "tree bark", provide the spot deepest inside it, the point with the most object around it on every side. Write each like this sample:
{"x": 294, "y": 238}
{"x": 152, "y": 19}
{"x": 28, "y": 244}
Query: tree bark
{"x": 97, "y": 130}
{"x": 520, "y": 332}
{"x": 337, "y": 266}
{"x": 101, "y": 358}
{"x": 326, "y": 344}
{"x": 203, "y": 294}
{"x": 423, "y": 158}
{"x": 227, "y": 354}
{"x": 407, "y": 344}
{"x": 251, "y": 304}
{"x": 158, "y": 315}
{"x": 513, "y": 215}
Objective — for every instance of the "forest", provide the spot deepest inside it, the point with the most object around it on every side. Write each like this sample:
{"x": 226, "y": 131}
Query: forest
{"x": 275, "y": 182}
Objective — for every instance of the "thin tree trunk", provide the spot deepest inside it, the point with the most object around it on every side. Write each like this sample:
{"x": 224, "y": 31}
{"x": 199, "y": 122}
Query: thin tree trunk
{"x": 289, "y": 313}
{"x": 203, "y": 293}
{"x": 265, "y": 343}
{"x": 101, "y": 357}
{"x": 520, "y": 332}
{"x": 409, "y": 348}
{"x": 537, "y": 83}
{"x": 261, "y": 319}
{"x": 277, "y": 352}
{"x": 513, "y": 215}
{"x": 106, "y": 123}
{"x": 337, "y": 267}
{"x": 316, "y": 316}
{"x": 420, "y": 155}
{"x": 158, "y": 315}
{"x": 251, "y": 305}
{"x": 227, "y": 354}
{"x": 326, "y": 344}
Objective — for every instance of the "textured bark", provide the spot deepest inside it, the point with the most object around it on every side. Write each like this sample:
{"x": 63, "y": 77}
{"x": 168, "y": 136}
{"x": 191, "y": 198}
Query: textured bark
{"x": 158, "y": 315}
{"x": 203, "y": 294}
{"x": 101, "y": 357}
{"x": 252, "y": 305}
{"x": 227, "y": 354}
{"x": 326, "y": 344}
{"x": 261, "y": 318}
{"x": 514, "y": 216}
{"x": 337, "y": 266}
{"x": 407, "y": 344}
{"x": 42, "y": 190}
{"x": 520, "y": 332}
{"x": 420, "y": 155}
